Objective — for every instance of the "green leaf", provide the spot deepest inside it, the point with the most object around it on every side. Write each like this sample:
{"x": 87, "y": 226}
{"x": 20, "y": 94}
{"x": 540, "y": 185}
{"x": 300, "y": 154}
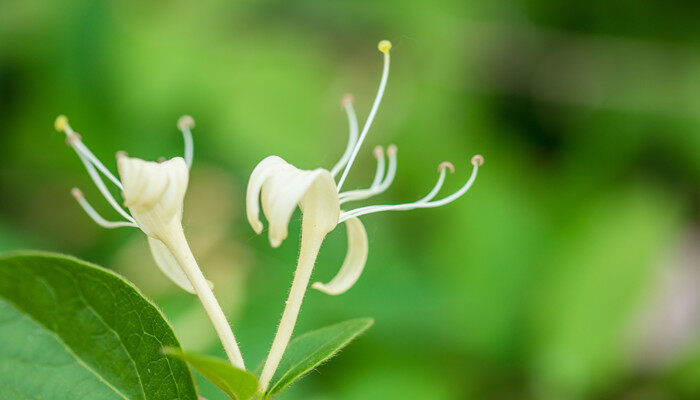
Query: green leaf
{"x": 313, "y": 348}
{"x": 72, "y": 330}
{"x": 237, "y": 383}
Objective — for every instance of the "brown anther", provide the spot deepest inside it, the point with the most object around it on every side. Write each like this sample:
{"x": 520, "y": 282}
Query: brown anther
{"x": 72, "y": 137}
{"x": 161, "y": 159}
{"x": 185, "y": 122}
{"x": 77, "y": 193}
{"x": 478, "y": 160}
{"x": 346, "y": 100}
{"x": 446, "y": 164}
{"x": 391, "y": 150}
{"x": 378, "y": 151}
{"x": 121, "y": 154}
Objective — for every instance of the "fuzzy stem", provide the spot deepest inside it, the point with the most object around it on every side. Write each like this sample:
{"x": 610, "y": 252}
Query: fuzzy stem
{"x": 311, "y": 241}
{"x": 178, "y": 246}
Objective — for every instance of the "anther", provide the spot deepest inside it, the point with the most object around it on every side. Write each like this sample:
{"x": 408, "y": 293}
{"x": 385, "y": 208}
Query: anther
{"x": 72, "y": 137}
{"x": 384, "y": 46}
{"x": 346, "y": 100}
{"x": 185, "y": 122}
{"x": 77, "y": 193}
{"x": 378, "y": 151}
{"x": 391, "y": 150}
{"x": 478, "y": 160}
{"x": 61, "y": 123}
{"x": 446, "y": 164}
{"x": 121, "y": 154}
{"x": 161, "y": 159}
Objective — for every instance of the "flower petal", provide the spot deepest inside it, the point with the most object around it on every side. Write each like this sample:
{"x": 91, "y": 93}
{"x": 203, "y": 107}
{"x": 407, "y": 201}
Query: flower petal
{"x": 354, "y": 263}
{"x": 262, "y": 171}
{"x": 169, "y": 265}
{"x": 281, "y": 188}
{"x": 153, "y": 192}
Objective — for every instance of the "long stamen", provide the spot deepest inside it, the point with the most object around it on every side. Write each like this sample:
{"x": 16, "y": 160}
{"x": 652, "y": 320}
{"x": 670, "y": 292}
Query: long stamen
{"x": 90, "y": 211}
{"x": 102, "y": 187}
{"x": 391, "y": 172}
{"x": 442, "y": 168}
{"x": 73, "y": 139}
{"x": 378, "y": 177}
{"x": 384, "y": 46}
{"x": 424, "y": 202}
{"x": 433, "y": 192}
{"x": 185, "y": 125}
{"x": 352, "y": 135}
{"x": 377, "y": 186}
{"x": 381, "y": 164}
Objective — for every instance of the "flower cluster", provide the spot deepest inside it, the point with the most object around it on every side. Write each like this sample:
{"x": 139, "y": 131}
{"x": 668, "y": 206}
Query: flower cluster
{"x": 153, "y": 193}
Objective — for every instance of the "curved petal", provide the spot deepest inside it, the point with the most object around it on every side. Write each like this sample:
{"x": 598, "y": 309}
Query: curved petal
{"x": 153, "y": 192}
{"x": 170, "y": 267}
{"x": 262, "y": 171}
{"x": 281, "y": 187}
{"x": 354, "y": 263}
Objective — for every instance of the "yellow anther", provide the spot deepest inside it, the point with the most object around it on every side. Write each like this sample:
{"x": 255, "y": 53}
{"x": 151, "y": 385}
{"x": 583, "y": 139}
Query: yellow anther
{"x": 61, "y": 123}
{"x": 478, "y": 160}
{"x": 391, "y": 150}
{"x": 384, "y": 46}
{"x": 378, "y": 151}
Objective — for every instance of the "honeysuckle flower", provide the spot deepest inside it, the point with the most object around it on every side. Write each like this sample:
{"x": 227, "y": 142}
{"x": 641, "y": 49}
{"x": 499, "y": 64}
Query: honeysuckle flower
{"x": 280, "y": 187}
{"x": 154, "y": 193}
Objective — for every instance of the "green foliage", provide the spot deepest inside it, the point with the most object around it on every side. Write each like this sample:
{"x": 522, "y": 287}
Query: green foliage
{"x": 72, "y": 330}
{"x": 313, "y": 348}
{"x": 522, "y": 289}
{"x": 237, "y": 383}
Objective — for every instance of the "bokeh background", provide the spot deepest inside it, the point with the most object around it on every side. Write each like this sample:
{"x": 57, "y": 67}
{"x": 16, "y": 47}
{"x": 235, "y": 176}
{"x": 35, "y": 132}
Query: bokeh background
{"x": 571, "y": 270}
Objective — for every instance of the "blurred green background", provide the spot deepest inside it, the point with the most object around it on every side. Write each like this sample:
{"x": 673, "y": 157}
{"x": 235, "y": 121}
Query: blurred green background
{"x": 571, "y": 270}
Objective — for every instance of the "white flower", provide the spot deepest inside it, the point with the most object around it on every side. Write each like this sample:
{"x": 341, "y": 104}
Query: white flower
{"x": 280, "y": 187}
{"x": 152, "y": 191}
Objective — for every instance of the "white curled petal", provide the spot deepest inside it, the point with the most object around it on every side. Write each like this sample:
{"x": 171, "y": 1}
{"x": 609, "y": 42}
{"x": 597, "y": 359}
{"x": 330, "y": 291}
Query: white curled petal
{"x": 281, "y": 187}
{"x": 354, "y": 263}
{"x": 261, "y": 173}
{"x": 169, "y": 265}
{"x": 154, "y": 192}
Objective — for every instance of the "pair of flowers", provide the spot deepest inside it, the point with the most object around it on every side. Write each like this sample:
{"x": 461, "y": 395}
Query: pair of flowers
{"x": 153, "y": 192}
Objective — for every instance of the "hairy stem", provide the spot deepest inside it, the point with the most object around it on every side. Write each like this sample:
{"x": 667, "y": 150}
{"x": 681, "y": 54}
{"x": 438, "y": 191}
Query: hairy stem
{"x": 178, "y": 246}
{"x": 311, "y": 241}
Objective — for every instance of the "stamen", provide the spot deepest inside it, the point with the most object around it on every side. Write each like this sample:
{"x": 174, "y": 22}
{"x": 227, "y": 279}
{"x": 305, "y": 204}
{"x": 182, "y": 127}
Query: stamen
{"x": 185, "y": 125}
{"x": 384, "y": 47}
{"x": 90, "y": 211}
{"x": 378, "y": 176}
{"x": 102, "y": 187}
{"x": 391, "y": 173}
{"x": 377, "y": 186}
{"x": 476, "y": 161}
{"x": 353, "y": 132}
{"x": 74, "y": 140}
{"x": 442, "y": 168}
{"x": 425, "y": 201}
